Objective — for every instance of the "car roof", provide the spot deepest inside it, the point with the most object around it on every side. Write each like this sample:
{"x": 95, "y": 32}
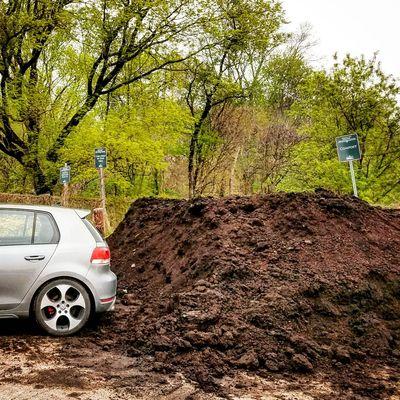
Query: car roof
{"x": 82, "y": 213}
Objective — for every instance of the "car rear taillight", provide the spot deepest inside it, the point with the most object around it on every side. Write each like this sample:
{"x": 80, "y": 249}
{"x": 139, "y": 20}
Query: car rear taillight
{"x": 100, "y": 255}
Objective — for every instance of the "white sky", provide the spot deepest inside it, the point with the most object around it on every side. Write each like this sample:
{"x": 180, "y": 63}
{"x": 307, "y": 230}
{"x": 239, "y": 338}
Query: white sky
{"x": 350, "y": 26}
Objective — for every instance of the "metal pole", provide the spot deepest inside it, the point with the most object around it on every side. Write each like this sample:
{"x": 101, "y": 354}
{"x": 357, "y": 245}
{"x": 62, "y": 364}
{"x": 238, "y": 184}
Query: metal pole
{"x": 353, "y": 178}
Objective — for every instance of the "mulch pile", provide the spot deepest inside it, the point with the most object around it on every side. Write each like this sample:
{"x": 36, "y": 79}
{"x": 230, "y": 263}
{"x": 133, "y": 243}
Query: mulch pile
{"x": 287, "y": 283}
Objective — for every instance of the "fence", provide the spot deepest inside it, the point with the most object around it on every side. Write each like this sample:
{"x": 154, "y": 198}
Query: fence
{"x": 116, "y": 206}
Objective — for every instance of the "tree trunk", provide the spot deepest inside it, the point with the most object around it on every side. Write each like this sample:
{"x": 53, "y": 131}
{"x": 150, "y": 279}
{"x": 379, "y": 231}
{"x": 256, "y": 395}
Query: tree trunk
{"x": 194, "y": 148}
{"x": 232, "y": 172}
{"x": 192, "y": 152}
{"x": 156, "y": 180}
{"x": 40, "y": 183}
{"x": 52, "y": 154}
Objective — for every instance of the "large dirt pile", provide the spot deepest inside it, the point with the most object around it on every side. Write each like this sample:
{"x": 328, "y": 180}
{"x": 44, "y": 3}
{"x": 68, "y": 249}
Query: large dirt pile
{"x": 290, "y": 282}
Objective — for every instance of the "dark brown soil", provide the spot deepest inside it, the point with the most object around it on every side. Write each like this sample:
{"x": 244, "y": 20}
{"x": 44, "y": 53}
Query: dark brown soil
{"x": 284, "y": 284}
{"x": 285, "y": 296}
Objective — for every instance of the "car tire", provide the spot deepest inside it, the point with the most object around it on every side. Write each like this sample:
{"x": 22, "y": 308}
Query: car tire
{"x": 62, "y": 307}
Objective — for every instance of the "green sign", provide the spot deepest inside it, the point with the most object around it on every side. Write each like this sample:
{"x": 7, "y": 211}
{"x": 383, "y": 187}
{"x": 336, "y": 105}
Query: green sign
{"x": 348, "y": 148}
{"x": 100, "y": 157}
{"x": 65, "y": 175}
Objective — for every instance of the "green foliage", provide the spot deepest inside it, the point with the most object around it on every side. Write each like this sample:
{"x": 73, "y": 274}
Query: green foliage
{"x": 239, "y": 35}
{"x": 198, "y": 97}
{"x": 355, "y": 98}
{"x": 283, "y": 76}
{"x": 140, "y": 138}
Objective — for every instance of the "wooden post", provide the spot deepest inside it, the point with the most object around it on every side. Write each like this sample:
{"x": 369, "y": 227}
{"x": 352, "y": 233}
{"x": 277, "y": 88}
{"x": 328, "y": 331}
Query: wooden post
{"x": 106, "y": 223}
{"x": 100, "y": 162}
{"x": 98, "y": 219}
{"x": 65, "y": 195}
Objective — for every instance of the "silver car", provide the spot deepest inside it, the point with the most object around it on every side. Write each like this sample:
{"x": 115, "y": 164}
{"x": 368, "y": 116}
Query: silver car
{"x": 54, "y": 266}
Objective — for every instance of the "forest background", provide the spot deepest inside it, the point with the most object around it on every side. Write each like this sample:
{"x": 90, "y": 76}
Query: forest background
{"x": 190, "y": 98}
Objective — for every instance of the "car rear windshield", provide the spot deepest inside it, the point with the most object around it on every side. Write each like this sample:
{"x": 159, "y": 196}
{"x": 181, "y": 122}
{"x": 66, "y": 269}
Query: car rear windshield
{"x": 95, "y": 233}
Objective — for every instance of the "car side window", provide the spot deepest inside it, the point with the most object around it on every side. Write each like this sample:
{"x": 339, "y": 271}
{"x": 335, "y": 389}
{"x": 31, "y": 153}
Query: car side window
{"x": 45, "y": 229}
{"x": 16, "y": 227}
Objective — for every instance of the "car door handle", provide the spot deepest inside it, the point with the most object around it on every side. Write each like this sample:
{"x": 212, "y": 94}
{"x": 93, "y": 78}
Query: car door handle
{"x": 34, "y": 258}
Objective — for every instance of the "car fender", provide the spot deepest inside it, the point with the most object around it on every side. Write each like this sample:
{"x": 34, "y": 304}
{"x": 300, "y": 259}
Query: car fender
{"x": 42, "y": 280}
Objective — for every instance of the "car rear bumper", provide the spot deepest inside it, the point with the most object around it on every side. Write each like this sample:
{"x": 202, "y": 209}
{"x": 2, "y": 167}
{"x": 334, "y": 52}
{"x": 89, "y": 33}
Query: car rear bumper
{"x": 107, "y": 305}
{"x": 104, "y": 283}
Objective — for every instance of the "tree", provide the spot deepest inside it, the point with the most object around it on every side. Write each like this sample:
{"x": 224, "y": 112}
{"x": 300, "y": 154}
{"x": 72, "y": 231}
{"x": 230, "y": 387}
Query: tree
{"x": 241, "y": 30}
{"x": 140, "y": 137}
{"x": 248, "y": 151}
{"x": 280, "y": 79}
{"x": 356, "y": 97}
{"x": 115, "y": 43}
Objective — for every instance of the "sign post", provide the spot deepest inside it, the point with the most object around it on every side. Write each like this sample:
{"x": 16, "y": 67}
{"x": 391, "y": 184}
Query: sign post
{"x": 100, "y": 160}
{"x": 65, "y": 178}
{"x": 348, "y": 149}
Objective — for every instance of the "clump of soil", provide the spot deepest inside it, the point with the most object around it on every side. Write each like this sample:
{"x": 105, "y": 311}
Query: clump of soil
{"x": 296, "y": 283}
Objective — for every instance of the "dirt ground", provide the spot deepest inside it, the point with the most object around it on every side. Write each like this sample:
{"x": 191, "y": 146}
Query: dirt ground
{"x": 34, "y": 366}
{"x": 293, "y": 297}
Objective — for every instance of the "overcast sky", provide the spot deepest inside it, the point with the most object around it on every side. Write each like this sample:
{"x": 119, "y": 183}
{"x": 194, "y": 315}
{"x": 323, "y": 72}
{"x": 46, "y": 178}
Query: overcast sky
{"x": 351, "y": 26}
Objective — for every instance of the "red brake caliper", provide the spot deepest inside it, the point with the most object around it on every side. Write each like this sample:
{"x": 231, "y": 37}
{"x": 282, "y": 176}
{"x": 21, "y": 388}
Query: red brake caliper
{"x": 51, "y": 311}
